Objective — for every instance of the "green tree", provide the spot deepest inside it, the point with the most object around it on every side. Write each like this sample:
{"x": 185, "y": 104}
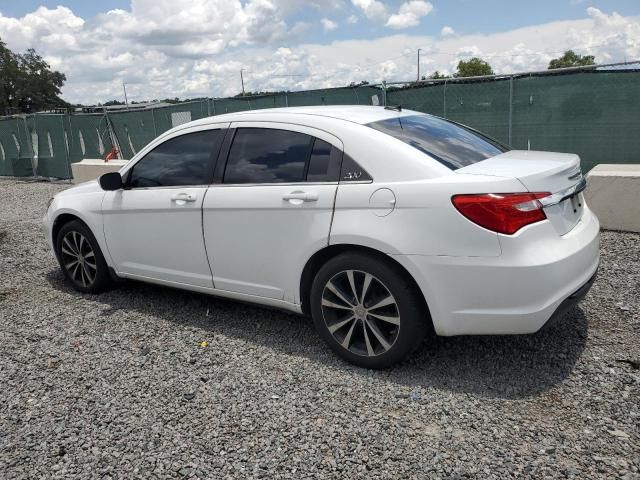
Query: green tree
{"x": 8, "y": 78}
{"x": 571, "y": 59}
{"x": 473, "y": 67}
{"x": 27, "y": 83}
{"x": 436, "y": 76}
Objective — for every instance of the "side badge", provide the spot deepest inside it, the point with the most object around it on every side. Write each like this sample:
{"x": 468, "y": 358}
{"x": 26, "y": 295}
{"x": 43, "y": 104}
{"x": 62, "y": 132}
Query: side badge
{"x": 352, "y": 175}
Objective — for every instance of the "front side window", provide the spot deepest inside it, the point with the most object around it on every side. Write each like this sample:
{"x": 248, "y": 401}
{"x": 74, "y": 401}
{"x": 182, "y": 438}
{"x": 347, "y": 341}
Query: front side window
{"x": 266, "y": 155}
{"x": 452, "y": 145}
{"x": 180, "y": 161}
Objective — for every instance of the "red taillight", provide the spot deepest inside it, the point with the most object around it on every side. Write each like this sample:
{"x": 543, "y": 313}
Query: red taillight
{"x": 501, "y": 212}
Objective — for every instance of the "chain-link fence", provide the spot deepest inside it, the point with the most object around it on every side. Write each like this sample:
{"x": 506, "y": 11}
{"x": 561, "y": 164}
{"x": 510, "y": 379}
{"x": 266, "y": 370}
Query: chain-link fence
{"x": 591, "y": 111}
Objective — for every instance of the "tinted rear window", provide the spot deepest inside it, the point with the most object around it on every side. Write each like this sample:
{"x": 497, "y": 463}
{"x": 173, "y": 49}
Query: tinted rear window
{"x": 452, "y": 145}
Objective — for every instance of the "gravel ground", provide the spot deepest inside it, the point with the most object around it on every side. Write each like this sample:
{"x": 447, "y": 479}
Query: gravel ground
{"x": 121, "y": 385}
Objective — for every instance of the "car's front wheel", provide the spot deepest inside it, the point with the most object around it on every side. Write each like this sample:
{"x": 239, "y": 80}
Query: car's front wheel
{"x": 367, "y": 310}
{"x": 80, "y": 258}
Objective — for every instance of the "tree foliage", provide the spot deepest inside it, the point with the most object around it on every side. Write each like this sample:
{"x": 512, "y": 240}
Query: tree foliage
{"x": 27, "y": 83}
{"x": 436, "y": 76}
{"x": 571, "y": 59}
{"x": 473, "y": 67}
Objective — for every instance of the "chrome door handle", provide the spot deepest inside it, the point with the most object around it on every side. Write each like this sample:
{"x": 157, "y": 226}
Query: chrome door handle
{"x": 183, "y": 197}
{"x": 298, "y": 195}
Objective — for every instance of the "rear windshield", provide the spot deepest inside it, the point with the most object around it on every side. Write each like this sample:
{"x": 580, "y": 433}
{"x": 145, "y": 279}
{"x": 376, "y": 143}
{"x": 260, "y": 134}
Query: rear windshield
{"x": 451, "y": 144}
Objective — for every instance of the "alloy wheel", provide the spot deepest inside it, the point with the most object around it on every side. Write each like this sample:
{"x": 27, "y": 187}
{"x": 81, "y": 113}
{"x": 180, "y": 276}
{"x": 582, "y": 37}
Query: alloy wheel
{"x": 360, "y": 313}
{"x": 78, "y": 258}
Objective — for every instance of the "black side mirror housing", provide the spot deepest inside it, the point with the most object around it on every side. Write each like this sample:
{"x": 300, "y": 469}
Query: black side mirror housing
{"x": 111, "y": 181}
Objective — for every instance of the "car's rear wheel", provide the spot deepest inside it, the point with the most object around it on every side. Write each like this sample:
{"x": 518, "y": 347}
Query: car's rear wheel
{"x": 367, "y": 310}
{"x": 80, "y": 258}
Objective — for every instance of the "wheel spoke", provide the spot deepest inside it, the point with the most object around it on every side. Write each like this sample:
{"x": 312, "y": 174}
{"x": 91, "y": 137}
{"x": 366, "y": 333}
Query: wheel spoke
{"x": 388, "y": 300}
{"x": 86, "y": 272}
{"x": 74, "y": 274}
{"x": 339, "y": 325}
{"x": 82, "y": 241}
{"x": 89, "y": 264}
{"x": 89, "y": 254}
{"x": 370, "y": 351}
{"x": 338, "y": 293}
{"x": 81, "y": 275}
{"x": 75, "y": 241}
{"x": 70, "y": 264}
{"x": 384, "y": 318}
{"x": 71, "y": 247}
{"x": 378, "y": 334}
{"x": 347, "y": 338}
{"x": 352, "y": 283}
{"x": 365, "y": 287}
{"x": 330, "y": 304}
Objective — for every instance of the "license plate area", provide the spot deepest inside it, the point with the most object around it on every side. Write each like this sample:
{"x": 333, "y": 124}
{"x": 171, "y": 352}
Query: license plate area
{"x": 566, "y": 214}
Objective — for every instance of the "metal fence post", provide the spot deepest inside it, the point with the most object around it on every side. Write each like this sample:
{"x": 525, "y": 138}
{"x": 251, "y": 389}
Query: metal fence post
{"x": 286, "y": 98}
{"x": 355, "y": 90}
{"x": 66, "y": 146}
{"x": 510, "y": 109}
{"x": 29, "y": 140}
{"x": 384, "y": 93}
{"x": 153, "y": 118}
{"x": 213, "y": 105}
{"x": 444, "y": 96}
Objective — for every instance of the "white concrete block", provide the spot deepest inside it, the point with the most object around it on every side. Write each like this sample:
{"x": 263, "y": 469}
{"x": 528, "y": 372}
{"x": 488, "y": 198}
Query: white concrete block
{"x": 613, "y": 193}
{"x": 92, "y": 168}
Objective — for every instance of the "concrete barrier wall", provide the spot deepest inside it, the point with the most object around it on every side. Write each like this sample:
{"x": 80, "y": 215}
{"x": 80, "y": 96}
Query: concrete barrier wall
{"x": 613, "y": 193}
{"x": 92, "y": 168}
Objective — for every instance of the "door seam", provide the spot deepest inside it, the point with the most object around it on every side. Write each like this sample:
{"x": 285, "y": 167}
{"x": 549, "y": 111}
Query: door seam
{"x": 204, "y": 241}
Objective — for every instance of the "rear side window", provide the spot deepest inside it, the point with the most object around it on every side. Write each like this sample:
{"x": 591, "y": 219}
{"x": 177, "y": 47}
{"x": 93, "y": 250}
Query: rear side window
{"x": 184, "y": 160}
{"x": 266, "y": 155}
{"x": 324, "y": 164}
{"x": 452, "y": 145}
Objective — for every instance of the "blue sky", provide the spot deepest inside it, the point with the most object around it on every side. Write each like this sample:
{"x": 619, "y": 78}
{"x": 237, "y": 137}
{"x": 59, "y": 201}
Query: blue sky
{"x": 190, "y": 48}
{"x": 465, "y": 16}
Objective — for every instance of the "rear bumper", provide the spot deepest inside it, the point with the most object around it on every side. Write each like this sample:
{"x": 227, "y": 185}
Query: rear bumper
{"x": 570, "y": 302}
{"x": 515, "y": 293}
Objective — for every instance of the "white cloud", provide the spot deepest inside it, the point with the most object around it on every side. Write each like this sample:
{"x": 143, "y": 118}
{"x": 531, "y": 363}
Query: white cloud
{"x": 447, "y": 31}
{"x": 409, "y": 14}
{"x": 372, "y": 9}
{"x": 169, "y": 48}
{"x": 352, "y": 19}
{"x": 328, "y": 25}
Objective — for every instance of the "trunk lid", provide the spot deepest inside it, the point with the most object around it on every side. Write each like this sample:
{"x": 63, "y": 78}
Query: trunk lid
{"x": 540, "y": 172}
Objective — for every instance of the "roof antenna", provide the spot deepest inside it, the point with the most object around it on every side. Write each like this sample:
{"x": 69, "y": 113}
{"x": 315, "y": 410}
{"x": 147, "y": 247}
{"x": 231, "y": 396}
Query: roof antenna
{"x": 397, "y": 108}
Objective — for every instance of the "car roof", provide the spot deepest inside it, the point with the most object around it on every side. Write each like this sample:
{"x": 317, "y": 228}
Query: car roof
{"x": 361, "y": 114}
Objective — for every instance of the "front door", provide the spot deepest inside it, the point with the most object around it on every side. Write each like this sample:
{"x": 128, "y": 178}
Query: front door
{"x": 153, "y": 227}
{"x": 273, "y": 208}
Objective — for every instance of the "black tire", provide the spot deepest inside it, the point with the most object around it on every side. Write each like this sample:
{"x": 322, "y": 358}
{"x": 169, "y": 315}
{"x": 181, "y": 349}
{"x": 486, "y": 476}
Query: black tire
{"x": 408, "y": 310}
{"x": 84, "y": 275}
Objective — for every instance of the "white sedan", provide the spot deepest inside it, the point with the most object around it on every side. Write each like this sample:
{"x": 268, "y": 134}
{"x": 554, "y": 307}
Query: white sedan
{"x": 380, "y": 223}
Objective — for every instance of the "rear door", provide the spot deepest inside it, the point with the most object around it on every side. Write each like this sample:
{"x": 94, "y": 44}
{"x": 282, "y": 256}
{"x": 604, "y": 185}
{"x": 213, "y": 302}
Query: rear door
{"x": 272, "y": 208}
{"x": 153, "y": 227}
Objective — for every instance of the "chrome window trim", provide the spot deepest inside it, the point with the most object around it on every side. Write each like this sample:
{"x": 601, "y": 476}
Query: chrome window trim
{"x": 562, "y": 195}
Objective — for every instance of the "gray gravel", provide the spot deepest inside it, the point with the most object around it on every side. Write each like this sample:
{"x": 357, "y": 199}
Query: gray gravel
{"x": 120, "y": 385}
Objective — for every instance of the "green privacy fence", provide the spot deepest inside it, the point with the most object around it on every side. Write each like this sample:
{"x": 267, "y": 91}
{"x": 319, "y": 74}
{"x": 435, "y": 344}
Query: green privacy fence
{"x": 594, "y": 112}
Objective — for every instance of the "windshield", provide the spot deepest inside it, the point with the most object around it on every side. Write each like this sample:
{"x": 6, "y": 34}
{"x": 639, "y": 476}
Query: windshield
{"x": 453, "y": 145}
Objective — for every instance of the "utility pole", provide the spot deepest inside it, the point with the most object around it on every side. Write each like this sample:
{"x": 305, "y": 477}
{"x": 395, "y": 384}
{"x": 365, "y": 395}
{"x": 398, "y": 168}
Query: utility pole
{"x": 242, "y": 81}
{"x": 419, "y": 64}
{"x": 126, "y": 102}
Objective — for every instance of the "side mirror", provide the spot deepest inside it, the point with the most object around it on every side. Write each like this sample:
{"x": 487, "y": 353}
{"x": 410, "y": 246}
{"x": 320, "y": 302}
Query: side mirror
{"x": 111, "y": 181}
